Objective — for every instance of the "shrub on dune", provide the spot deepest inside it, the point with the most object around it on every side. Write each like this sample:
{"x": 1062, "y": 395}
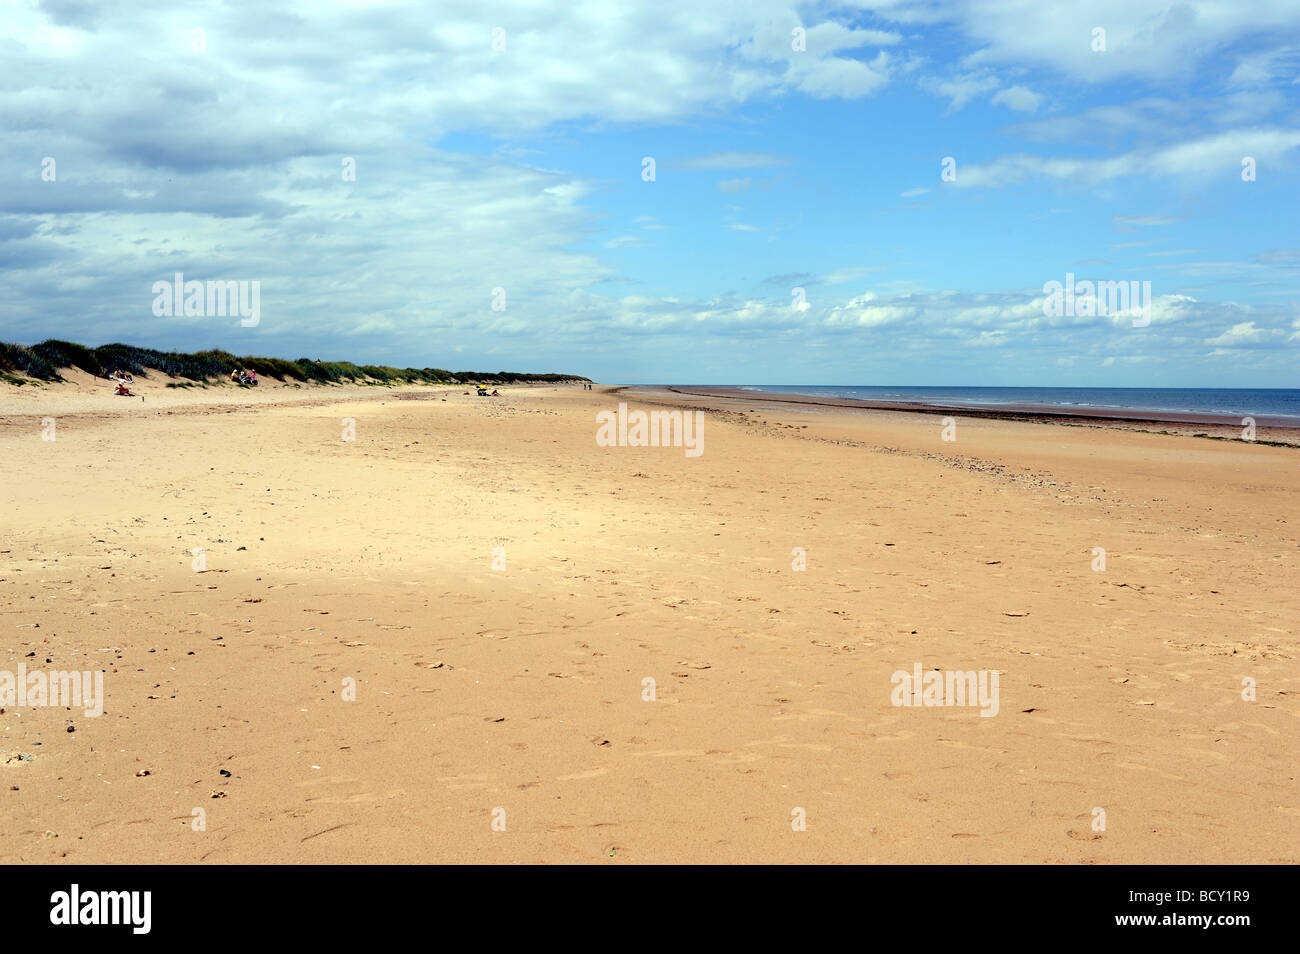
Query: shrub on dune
{"x": 43, "y": 361}
{"x": 24, "y": 360}
{"x": 65, "y": 354}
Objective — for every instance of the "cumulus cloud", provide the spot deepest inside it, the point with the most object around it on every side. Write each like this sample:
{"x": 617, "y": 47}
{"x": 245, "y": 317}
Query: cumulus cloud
{"x": 1244, "y": 334}
{"x": 841, "y": 77}
{"x": 1019, "y": 98}
{"x": 1145, "y": 39}
{"x": 220, "y": 154}
{"x": 288, "y": 144}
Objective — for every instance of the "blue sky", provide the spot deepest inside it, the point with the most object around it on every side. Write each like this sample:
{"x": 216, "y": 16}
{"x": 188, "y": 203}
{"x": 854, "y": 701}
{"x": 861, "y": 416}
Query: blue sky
{"x": 208, "y": 139}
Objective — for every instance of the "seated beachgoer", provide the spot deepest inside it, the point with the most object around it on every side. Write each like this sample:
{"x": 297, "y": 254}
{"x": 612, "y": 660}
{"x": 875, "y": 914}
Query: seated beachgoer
{"x": 123, "y": 390}
{"x": 252, "y": 377}
{"x": 234, "y": 376}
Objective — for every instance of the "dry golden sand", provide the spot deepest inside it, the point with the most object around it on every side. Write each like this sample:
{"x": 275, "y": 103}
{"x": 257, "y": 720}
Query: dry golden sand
{"x": 522, "y": 690}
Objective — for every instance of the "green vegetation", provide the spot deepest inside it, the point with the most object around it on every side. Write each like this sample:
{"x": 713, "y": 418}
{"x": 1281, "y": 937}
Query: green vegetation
{"x": 44, "y": 361}
{"x": 25, "y": 361}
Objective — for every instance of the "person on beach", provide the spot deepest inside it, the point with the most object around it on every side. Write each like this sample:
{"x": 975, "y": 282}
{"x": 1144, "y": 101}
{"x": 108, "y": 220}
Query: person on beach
{"x": 123, "y": 390}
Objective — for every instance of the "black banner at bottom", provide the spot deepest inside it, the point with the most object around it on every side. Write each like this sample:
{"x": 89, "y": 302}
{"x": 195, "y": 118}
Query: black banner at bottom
{"x": 1176, "y": 904}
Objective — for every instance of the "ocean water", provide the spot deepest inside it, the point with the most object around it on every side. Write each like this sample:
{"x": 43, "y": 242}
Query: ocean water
{"x": 1232, "y": 402}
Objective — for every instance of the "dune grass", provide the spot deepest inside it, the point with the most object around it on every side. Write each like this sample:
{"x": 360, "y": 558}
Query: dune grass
{"x": 44, "y": 361}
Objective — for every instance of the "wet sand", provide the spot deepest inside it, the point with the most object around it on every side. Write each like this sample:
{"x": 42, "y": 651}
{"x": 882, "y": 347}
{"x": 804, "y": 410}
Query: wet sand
{"x": 1268, "y": 428}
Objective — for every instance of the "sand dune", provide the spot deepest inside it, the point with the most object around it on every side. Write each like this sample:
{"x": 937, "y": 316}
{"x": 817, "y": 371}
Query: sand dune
{"x": 519, "y": 694}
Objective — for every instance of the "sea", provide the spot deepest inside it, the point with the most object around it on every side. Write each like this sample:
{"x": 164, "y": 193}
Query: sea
{"x": 1283, "y": 403}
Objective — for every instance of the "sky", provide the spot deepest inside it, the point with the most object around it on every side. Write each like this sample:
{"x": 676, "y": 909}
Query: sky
{"x": 750, "y": 192}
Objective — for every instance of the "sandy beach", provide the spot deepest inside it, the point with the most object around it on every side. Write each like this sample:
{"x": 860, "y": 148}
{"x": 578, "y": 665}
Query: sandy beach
{"x": 472, "y": 634}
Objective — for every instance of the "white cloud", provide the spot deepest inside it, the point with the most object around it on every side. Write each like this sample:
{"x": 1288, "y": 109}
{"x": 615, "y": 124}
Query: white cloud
{"x": 1241, "y": 335}
{"x": 1265, "y": 68}
{"x": 1019, "y": 98}
{"x": 1152, "y": 39}
{"x": 839, "y": 77}
{"x": 831, "y": 37}
{"x": 1145, "y": 220}
{"x": 736, "y": 159}
{"x": 960, "y": 90}
{"x": 1200, "y": 159}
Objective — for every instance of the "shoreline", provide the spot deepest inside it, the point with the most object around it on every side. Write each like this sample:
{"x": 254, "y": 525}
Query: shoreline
{"x": 1270, "y": 429}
